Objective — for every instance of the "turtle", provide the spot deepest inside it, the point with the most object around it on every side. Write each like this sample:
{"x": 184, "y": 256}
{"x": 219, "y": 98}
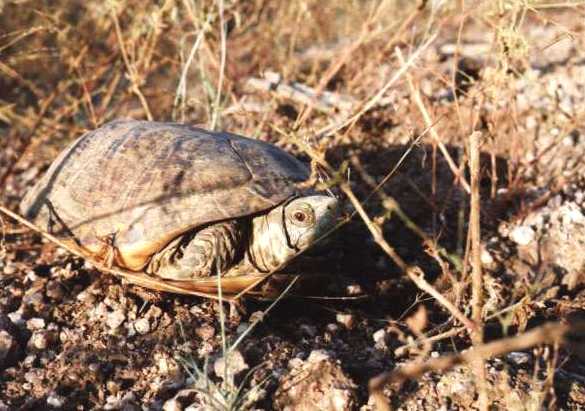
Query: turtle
{"x": 173, "y": 206}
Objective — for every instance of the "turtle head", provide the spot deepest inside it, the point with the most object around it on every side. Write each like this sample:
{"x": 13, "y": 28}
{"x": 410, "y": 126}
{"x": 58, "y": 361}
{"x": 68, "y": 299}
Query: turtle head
{"x": 290, "y": 228}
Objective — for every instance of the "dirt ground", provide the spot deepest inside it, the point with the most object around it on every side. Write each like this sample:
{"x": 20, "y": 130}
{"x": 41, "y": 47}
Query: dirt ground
{"x": 74, "y": 338}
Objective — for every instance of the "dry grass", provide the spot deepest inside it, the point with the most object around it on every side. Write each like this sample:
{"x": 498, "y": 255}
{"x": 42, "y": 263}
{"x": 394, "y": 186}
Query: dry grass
{"x": 68, "y": 66}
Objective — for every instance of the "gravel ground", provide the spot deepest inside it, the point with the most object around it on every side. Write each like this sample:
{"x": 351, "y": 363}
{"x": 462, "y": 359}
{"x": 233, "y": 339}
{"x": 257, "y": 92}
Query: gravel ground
{"x": 74, "y": 338}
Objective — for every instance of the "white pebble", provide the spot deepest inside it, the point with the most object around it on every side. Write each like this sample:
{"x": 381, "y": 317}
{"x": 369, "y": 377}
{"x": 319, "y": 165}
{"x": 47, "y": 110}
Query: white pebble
{"x": 35, "y": 324}
{"x": 235, "y": 364}
{"x": 347, "y": 320}
{"x": 55, "y": 401}
{"x": 142, "y": 326}
{"x": 486, "y": 257}
{"x": 39, "y": 340}
{"x": 318, "y": 356}
{"x": 172, "y": 405}
{"x": 572, "y": 214}
{"x": 356, "y": 289}
{"x": 115, "y": 319}
{"x": 16, "y": 318}
{"x": 380, "y": 336}
{"x": 518, "y": 357}
{"x": 522, "y": 235}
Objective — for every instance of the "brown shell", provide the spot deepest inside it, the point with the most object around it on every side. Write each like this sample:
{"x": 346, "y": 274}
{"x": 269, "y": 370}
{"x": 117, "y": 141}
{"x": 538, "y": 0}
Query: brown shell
{"x": 132, "y": 186}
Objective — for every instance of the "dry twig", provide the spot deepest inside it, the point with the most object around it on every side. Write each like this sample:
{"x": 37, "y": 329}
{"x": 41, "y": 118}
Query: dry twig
{"x": 223, "y": 51}
{"x": 477, "y": 279}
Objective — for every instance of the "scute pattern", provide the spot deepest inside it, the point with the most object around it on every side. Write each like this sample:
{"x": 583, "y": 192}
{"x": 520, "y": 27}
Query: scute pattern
{"x": 137, "y": 185}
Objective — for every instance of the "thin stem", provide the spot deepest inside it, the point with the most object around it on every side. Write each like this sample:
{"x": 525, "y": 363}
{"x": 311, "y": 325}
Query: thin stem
{"x": 217, "y": 108}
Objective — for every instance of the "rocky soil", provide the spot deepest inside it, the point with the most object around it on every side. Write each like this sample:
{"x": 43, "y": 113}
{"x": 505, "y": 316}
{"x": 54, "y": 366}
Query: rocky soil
{"x": 74, "y": 338}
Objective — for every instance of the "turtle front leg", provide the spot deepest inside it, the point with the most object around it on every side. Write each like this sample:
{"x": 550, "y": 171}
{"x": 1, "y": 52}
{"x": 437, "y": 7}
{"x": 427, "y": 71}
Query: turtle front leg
{"x": 200, "y": 253}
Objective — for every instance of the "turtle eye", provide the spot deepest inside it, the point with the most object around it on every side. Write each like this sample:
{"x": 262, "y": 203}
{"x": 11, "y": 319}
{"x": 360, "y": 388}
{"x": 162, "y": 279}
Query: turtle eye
{"x": 302, "y": 216}
{"x": 299, "y": 216}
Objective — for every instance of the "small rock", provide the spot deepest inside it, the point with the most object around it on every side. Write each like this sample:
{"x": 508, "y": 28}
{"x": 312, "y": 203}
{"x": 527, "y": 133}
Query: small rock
{"x": 458, "y": 384}
{"x": 113, "y": 387}
{"x": 39, "y": 340}
{"x": 16, "y": 318}
{"x": 196, "y": 310}
{"x": 236, "y": 364}
{"x": 518, "y": 358}
{"x": 29, "y": 360}
{"x": 571, "y": 214}
{"x": 318, "y": 355}
{"x": 55, "y": 290}
{"x": 205, "y": 332}
{"x": 172, "y": 405}
{"x": 152, "y": 316}
{"x": 256, "y": 317}
{"x": 295, "y": 363}
{"x": 163, "y": 365}
{"x": 316, "y": 384}
{"x": 126, "y": 403}
{"x": 142, "y": 326}
{"x": 181, "y": 401}
{"x": 380, "y": 338}
{"x": 115, "y": 319}
{"x": 9, "y": 269}
{"x": 55, "y": 401}
{"x": 242, "y": 328}
{"x": 486, "y": 257}
{"x": 31, "y": 276}
{"x": 354, "y": 289}
{"x": 35, "y": 300}
{"x": 522, "y": 235}
{"x": 68, "y": 335}
{"x": 347, "y": 320}
{"x": 84, "y": 296}
{"x": 35, "y": 324}
{"x": 66, "y": 272}
{"x": 15, "y": 290}
{"x": 34, "y": 376}
{"x": 10, "y": 350}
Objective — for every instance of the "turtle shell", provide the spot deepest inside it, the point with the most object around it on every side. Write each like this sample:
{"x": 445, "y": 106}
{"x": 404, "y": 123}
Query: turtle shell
{"x": 133, "y": 186}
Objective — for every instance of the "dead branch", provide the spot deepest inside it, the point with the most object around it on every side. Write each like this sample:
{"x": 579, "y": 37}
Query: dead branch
{"x": 477, "y": 279}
